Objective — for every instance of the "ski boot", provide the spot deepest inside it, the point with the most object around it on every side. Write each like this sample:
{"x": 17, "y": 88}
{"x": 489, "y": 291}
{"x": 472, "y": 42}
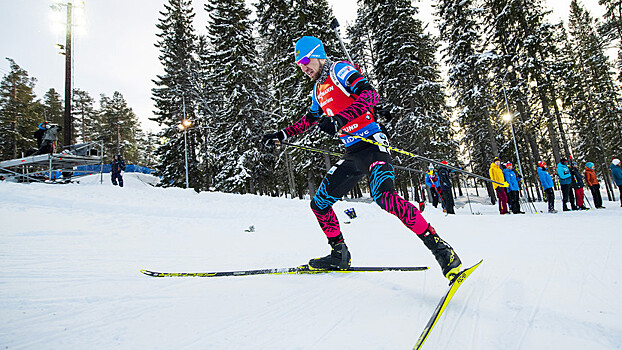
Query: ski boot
{"x": 338, "y": 259}
{"x": 448, "y": 259}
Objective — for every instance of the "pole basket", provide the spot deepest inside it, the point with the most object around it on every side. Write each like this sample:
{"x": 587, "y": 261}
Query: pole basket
{"x": 350, "y": 213}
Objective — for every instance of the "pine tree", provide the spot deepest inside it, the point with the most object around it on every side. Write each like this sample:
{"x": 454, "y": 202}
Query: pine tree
{"x": 540, "y": 48}
{"x": 148, "y": 142}
{"x": 53, "y": 110}
{"x": 611, "y": 29}
{"x": 83, "y": 112}
{"x": 539, "y": 64}
{"x": 409, "y": 80}
{"x": 209, "y": 100}
{"x": 468, "y": 77}
{"x": 280, "y": 24}
{"x": 594, "y": 96}
{"x": 360, "y": 45}
{"x": 175, "y": 97}
{"x": 18, "y": 113}
{"x": 240, "y": 118}
{"x": 523, "y": 44}
{"x": 117, "y": 126}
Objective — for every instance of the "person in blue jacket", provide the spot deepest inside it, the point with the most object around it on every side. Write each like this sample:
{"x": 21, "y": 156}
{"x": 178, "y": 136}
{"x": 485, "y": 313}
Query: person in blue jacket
{"x": 513, "y": 194}
{"x": 616, "y": 171}
{"x": 547, "y": 185}
{"x": 433, "y": 183}
{"x": 565, "y": 181}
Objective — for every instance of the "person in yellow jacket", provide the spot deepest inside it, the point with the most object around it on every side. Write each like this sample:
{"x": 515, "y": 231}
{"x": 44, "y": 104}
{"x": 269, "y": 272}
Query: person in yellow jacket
{"x": 496, "y": 174}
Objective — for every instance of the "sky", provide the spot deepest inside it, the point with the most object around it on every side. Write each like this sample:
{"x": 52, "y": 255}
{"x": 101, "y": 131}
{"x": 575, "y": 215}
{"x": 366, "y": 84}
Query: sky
{"x": 113, "y": 48}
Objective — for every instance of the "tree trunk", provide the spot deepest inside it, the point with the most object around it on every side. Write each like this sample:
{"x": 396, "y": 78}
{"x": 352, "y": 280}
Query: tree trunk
{"x": 558, "y": 117}
{"x": 310, "y": 184}
{"x": 457, "y": 177}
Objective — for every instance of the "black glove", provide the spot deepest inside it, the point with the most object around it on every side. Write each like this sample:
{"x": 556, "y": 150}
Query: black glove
{"x": 269, "y": 139}
{"x": 330, "y": 125}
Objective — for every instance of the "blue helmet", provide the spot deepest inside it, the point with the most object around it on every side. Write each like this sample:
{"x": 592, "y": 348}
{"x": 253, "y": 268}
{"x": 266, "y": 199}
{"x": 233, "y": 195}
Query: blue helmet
{"x": 309, "y": 46}
{"x": 590, "y": 165}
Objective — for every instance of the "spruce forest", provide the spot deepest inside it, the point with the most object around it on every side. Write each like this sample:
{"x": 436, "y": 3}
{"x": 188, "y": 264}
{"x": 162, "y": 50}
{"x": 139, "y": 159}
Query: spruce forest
{"x": 498, "y": 71}
{"x": 109, "y": 120}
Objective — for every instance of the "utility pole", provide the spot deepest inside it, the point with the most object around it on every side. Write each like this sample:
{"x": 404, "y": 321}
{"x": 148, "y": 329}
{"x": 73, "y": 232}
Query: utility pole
{"x": 14, "y": 117}
{"x": 67, "y": 119}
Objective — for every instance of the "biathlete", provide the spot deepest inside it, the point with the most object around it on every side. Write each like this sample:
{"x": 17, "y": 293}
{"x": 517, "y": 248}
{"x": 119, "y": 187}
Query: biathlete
{"x": 343, "y": 99}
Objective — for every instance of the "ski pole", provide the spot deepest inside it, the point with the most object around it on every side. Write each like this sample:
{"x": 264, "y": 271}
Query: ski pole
{"x": 526, "y": 199}
{"x": 439, "y": 196}
{"x": 380, "y": 144}
{"x": 466, "y": 189}
{"x": 588, "y": 201}
{"x": 335, "y": 154}
{"x": 312, "y": 149}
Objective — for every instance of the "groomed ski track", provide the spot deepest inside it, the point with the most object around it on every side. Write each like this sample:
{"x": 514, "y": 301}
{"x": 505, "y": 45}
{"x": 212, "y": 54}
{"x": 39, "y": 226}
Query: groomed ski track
{"x": 71, "y": 256}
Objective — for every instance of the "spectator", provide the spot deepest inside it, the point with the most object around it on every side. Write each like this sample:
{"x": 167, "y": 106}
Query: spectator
{"x": 565, "y": 181}
{"x": 432, "y": 181}
{"x": 118, "y": 167}
{"x": 547, "y": 185}
{"x": 617, "y": 175}
{"x": 46, "y": 135}
{"x": 577, "y": 185}
{"x": 446, "y": 196}
{"x": 513, "y": 193}
{"x": 592, "y": 183}
{"x": 40, "y": 132}
{"x": 496, "y": 175}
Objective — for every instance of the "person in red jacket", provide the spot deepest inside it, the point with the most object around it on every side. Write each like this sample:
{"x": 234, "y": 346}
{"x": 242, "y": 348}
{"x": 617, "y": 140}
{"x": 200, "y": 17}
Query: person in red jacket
{"x": 343, "y": 99}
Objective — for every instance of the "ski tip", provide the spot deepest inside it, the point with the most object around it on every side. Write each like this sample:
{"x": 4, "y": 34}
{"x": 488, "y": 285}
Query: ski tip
{"x": 149, "y": 273}
{"x": 465, "y": 273}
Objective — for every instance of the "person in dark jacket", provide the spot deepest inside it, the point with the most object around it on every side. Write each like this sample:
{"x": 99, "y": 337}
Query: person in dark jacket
{"x": 565, "y": 181}
{"x": 46, "y": 136}
{"x": 616, "y": 172}
{"x": 547, "y": 185}
{"x": 577, "y": 185}
{"x": 39, "y": 133}
{"x": 592, "y": 183}
{"x": 513, "y": 194}
{"x": 446, "y": 195}
{"x": 118, "y": 167}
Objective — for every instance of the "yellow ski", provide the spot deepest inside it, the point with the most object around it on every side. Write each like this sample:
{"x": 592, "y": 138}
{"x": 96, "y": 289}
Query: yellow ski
{"x": 453, "y": 287}
{"x": 303, "y": 269}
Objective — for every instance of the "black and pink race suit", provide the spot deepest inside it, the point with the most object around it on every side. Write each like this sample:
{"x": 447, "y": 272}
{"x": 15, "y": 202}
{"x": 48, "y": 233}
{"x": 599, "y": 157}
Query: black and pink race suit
{"x": 353, "y": 98}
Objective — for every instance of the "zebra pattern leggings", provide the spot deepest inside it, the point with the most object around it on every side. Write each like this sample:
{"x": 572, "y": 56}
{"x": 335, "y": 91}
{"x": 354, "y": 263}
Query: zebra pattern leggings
{"x": 346, "y": 173}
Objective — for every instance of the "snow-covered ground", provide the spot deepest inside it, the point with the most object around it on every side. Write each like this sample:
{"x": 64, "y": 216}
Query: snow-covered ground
{"x": 70, "y": 257}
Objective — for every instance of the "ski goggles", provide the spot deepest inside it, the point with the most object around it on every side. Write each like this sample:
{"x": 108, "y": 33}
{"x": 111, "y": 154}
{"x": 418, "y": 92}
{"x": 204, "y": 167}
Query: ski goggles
{"x": 304, "y": 60}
